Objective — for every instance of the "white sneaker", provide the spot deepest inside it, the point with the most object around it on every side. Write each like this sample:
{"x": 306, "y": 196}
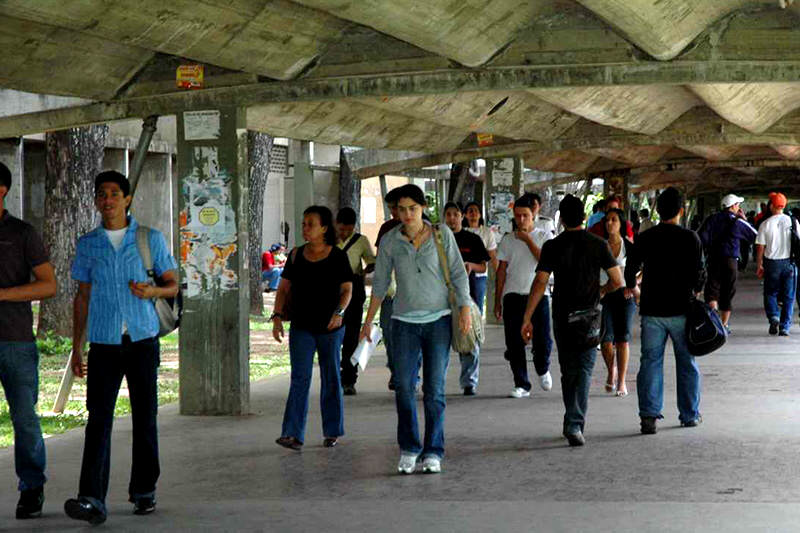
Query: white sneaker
{"x": 407, "y": 464}
{"x": 519, "y": 392}
{"x": 546, "y": 381}
{"x": 431, "y": 465}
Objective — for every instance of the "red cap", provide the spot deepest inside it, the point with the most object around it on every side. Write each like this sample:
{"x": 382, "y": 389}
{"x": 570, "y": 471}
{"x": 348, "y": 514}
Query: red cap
{"x": 777, "y": 199}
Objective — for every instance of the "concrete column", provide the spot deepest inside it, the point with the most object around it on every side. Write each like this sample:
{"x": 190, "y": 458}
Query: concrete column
{"x": 503, "y": 186}
{"x": 11, "y": 154}
{"x": 214, "y": 340}
{"x": 152, "y": 204}
{"x": 387, "y": 214}
{"x": 303, "y": 188}
{"x": 116, "y": 159}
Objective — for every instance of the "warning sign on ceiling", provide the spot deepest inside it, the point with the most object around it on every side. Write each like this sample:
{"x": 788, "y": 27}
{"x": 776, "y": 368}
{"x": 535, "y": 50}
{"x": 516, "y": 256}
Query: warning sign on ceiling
{"x": 189, "y": 77}
{"x": 485, "y": 139}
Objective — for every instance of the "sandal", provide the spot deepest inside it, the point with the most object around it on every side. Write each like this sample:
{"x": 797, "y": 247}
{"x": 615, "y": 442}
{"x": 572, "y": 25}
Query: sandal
{"x": 330, "y": 442}
{"x": 289, "y": 442}
{"x": 611, "y": 388}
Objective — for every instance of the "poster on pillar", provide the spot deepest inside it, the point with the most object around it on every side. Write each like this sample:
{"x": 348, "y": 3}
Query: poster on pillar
{"x": 208, "y": 227}
{"x": 500, "y": 213}
{"x": 503, "y": 172}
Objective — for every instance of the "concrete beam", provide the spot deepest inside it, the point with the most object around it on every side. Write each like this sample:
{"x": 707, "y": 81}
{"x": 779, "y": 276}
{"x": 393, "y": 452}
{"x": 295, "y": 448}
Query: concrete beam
{"x": 406, "y": 84}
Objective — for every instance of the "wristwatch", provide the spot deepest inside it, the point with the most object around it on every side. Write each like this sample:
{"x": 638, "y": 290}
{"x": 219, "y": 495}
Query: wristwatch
{"x": 340, "y": 312}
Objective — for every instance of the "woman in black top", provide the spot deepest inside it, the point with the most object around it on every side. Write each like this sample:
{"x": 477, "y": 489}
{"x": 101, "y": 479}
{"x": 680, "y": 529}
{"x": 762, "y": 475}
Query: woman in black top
{"x": 317, "y": 280}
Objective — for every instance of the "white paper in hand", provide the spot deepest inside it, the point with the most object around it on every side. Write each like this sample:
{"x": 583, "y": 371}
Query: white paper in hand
{"x": 365, "y": 349}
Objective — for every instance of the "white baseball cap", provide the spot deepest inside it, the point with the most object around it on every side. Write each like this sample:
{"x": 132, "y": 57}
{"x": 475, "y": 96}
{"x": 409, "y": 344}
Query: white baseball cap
{"x": 731, "y": 199}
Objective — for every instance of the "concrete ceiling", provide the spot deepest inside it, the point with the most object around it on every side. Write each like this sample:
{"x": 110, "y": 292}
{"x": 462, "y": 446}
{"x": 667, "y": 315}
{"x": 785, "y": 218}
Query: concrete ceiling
{"x": 573, "y": 85}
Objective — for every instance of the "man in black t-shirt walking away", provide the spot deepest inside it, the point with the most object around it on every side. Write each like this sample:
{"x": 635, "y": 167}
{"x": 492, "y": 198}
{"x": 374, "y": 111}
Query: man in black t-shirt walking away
{"x": 576, "y": 258}
{"x": 22, "y": 258}
{"x": 475, "y": 257}
{"x": 671, "y": 261}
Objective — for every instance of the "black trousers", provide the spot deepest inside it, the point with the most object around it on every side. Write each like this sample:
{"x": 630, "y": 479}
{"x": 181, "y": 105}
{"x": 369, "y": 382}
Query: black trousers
{"x": 138, "y": 363}
{"x": 541, "y": 343}
{"x": 352, "y": 327}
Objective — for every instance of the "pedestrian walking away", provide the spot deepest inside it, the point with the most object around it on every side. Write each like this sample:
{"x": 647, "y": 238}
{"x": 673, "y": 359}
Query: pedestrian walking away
{"x": 421, "y": 323}
{"x": 518, "y": 255}
{"x": 475, "y": 257}
{"x": 362, "y": 262}
{"x": 576, "y": 258}
{"x": 23, "y": 258}
{"x": 316, "y": 286}
{"x": 670, "y": 260}
{"x": 774, "y": 265}
{"x": 722, "y": 235}
{"x": 115, "y": 298}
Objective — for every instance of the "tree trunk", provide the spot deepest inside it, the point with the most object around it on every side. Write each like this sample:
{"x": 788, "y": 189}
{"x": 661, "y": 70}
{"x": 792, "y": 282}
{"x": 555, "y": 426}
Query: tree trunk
{"x": 74, "y": 158}
{"x": 258, "y": 147}
{"x": 349, "y": 187}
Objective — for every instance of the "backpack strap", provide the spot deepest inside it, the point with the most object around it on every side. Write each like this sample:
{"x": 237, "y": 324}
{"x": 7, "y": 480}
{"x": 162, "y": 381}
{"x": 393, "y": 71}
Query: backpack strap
{"x": 143, "y": 245}
{"x": 351, "y": 242}
{"x": 437, "y": 234}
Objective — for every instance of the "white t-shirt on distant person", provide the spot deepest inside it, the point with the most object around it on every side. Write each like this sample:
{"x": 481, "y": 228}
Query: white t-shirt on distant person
{"x": 521, "y": 264}
{"x": 773, "y": 234}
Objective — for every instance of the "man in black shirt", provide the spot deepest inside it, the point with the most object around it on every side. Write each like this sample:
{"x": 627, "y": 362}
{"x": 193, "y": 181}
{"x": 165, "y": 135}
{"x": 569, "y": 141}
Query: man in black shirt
{"x": 475, "y": 257}
{"x": 576, "y": 257}
{"x": 22, "y": 257}
{"x": 670, "y": 259}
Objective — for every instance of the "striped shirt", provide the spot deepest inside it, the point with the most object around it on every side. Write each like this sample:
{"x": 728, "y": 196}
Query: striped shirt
{"x": 108, "y": 271}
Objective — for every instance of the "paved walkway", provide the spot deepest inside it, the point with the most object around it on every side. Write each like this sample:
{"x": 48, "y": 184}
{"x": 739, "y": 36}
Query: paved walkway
{"x": 507, "y": 467}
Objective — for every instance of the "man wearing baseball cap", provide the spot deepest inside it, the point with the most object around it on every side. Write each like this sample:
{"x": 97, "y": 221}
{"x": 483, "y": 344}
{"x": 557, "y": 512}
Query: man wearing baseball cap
{"x": 774, "y": 265}
{"x": 722, "y": 234}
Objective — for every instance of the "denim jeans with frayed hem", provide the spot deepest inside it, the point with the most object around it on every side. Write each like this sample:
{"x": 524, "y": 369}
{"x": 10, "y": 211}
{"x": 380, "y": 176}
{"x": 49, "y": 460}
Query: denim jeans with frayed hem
{"x": 328, "y": 346}
{"x": 19, "y": 375}
{"x": 431, "y": 342}
{"x": 650, "y": 380}
{"x": 780, "y": 284}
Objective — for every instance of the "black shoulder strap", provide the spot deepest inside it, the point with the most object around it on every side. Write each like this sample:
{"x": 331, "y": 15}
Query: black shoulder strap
{"x": 352, "y": 241}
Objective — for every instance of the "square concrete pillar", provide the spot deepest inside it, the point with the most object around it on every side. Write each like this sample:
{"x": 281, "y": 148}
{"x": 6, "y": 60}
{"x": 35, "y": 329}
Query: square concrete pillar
{"x": 214, "y": 340}
{"x": 303, "y": 186}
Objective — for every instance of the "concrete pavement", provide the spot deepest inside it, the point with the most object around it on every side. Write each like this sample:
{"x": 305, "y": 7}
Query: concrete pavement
{"x": 507, "y": 467}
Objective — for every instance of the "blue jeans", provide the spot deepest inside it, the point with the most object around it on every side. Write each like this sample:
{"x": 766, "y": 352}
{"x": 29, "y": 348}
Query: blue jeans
{"x": 780, "y": 283}
{"x": 576, "y": 378}
{"x": 302, "y": 345}
{"x": 431, "y": 342}
{"x": 108, "y": 364}
{"x": 19, "y": 375}
{"x": 272, "y": 277}
{"x": 387, "y": 307}
{"x": 650, "y": 380}
{"x": 477, "y": 289}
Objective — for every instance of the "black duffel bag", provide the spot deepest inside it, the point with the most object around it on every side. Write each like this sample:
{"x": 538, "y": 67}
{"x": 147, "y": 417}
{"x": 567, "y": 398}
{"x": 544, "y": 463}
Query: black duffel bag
{"x": 704, "y": 330}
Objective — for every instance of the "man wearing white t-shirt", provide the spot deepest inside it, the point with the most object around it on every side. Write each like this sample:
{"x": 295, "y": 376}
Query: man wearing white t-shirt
{"x": 774, "y": 265}
{"x": 518, "y": 254}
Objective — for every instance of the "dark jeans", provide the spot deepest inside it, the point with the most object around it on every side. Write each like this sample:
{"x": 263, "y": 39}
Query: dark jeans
{"x": 541, "y": 343}
{"x": 352, "y": 325}
{"x": 386, "y": 329}
{"x": 302, "y": 345}
{"x": 576, "y": 378}
{"x": 780, "y": 280}
{"x": 429, "y": 342}
{"x": 19, "y": 375}
{"x": 138, "y": 363}
{"x": 477, "y": 289}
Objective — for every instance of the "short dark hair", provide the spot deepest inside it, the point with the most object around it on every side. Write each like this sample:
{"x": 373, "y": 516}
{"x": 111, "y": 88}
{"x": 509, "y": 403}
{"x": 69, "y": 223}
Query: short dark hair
{"x": 534, "y": 197}
{"x": 391, "y": 197}
{"x": 478, "y": 207}
{"x": 451, "y": 205}
{"x": 669, "y": 203}
{"x": 325, "y": 219}
{"x": 112, "y": 176}
{"x": 598, "y": 206}
{"x": 5, "y": 176}
{"x": 644, "y": 212}
{"x": 571, "y": 209}
{"x": 411, "y": 192}
{"x": 346, "y": 216}
{"x": 524, "y": 201}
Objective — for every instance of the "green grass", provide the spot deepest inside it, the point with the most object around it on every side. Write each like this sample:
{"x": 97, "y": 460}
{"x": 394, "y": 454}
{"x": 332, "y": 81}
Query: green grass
{"x": 54, "y": 352}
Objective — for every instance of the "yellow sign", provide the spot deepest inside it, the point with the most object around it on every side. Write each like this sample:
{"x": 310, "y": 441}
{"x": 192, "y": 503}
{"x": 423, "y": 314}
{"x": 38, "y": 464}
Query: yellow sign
{"x": 209, "y": 216}
{"x": 189, "y": 77}
{"x": 485, "y": 139}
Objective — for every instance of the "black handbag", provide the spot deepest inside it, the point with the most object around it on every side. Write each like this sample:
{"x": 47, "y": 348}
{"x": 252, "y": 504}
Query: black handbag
{"x": 579, "y": 330}
{"x": 704, "y": 330}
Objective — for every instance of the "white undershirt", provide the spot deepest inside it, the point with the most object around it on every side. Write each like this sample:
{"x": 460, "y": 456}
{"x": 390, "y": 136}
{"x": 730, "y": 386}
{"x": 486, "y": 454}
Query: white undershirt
{"x": 116, "y": 236}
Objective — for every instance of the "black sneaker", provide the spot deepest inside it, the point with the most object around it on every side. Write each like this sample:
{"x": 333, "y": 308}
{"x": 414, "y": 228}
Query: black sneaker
{"x": 142, "y": 506}
{"x": 30, "y": 503}
{"x": 349, "y": 390}
{"x": 773, "y": 328}
{"x": 649, "y": 425}
{"x": 783, "y": 333}
{"x": 82, "y": 509}
{"x": 469, "y": 391}
{"x": 391, "y": 385}
{"x": 693, "y": 423}
{"x": 575, "y": 439}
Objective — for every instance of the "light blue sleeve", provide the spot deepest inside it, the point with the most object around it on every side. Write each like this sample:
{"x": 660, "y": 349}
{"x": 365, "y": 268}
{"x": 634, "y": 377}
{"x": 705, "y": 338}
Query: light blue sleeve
{"x": 162, "y": 258}
{"x": 81, "y": 266}
{"x": 458, "y": 274}
{"x": 383, "y": 269}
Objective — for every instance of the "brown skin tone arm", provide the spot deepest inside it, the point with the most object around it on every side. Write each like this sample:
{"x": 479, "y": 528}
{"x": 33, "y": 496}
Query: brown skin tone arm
{"x": 43, "y": 287}
{"x": 526, "y": 238}
{"x": 280, "y": 299}
{"x": 345, "y": 293}
{"x": 80, "y": 314}
{"x": 145, "y": 291}
{"x": 366, "y": 329}
{"x": 499, "y": 285}
{"x": 535, "y": 296}
{"x": 760, "y": 260}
